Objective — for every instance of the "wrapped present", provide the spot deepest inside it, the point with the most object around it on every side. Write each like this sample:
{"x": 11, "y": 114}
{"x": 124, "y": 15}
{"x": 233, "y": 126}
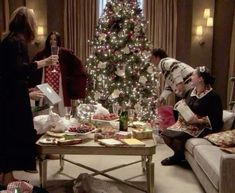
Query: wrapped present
{"x": 123, "y": 135}
{"x": 142, "y": 133}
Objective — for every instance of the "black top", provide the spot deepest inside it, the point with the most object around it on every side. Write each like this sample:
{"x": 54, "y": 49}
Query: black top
{"x": 209, "y": 105}
{"x": 17, "y": 139}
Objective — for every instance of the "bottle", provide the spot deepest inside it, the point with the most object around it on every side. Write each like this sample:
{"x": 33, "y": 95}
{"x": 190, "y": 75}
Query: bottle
{"x": 123, "y": 119}
{"x": 17, "y": 190}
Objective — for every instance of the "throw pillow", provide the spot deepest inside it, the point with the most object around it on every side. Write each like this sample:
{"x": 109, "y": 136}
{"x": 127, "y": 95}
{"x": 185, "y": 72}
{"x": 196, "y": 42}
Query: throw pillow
{"x": 222, "y": 139}
{"x": 228, "y": 118}
{"x": 228, "y": 149}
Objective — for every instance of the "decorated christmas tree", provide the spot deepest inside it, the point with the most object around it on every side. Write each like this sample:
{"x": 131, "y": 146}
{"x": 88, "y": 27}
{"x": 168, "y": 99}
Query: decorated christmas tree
{"x": 118, "y": 66}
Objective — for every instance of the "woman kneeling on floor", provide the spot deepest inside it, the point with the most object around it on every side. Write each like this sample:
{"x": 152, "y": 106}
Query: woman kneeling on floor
{"x": 207, "y": 108}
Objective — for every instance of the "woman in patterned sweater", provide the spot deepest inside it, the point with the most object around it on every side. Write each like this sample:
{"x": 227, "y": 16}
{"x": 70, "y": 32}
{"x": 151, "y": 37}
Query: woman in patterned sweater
{"x": 177, "y": 74}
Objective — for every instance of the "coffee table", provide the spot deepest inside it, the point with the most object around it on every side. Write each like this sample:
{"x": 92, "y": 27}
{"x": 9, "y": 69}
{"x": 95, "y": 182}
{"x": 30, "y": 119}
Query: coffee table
{"x": 89, "y": 147}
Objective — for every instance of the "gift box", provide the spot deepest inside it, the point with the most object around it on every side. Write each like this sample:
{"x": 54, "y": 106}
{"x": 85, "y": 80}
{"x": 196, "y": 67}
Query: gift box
{"x": 142, "y": 133}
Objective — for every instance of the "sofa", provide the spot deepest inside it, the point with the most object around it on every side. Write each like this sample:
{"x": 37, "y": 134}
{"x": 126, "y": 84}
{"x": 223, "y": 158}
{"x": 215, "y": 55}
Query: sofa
{"x": 214, "y": 168}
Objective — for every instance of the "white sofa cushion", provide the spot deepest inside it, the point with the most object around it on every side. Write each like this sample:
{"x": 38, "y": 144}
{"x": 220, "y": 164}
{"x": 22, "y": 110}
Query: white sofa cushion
{"x": 228, "y": 118}
{"x": 193, "y": 142}
{"x": 208, "y": 158}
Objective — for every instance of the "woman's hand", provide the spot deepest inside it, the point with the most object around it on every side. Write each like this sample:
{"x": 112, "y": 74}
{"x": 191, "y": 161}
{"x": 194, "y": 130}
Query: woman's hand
{"x": 180, "y": 89}
{"x": 160, "y": 101}
{"x": 194, "y": 120}
{"x": 51, "y": 60}
{"x": 199, "y": 121}
{"x": 36, "y": 95}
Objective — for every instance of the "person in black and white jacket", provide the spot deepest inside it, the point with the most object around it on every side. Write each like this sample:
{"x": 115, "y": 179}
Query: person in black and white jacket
{"x": 176, "y": 73}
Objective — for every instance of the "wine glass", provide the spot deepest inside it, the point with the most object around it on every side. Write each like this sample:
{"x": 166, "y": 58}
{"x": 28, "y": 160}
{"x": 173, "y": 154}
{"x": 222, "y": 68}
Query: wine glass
{"x": 68, "y": 111}
{"x": 54, "y": 54}
{"x": 138, "y": 110}
{"x": 131, "y": 115}
{"x": 116, "y": 108}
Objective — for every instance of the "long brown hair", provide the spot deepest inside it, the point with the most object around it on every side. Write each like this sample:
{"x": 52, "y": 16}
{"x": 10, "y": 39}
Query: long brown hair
{"x": 23, "y": 22}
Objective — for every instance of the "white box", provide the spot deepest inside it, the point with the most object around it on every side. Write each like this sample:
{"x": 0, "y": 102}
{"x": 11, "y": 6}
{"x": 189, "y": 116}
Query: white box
{"x": 49, "y": 92}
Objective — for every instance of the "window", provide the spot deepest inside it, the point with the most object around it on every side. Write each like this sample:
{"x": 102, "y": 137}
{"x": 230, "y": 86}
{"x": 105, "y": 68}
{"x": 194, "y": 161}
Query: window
{"x": 102, "y": 4}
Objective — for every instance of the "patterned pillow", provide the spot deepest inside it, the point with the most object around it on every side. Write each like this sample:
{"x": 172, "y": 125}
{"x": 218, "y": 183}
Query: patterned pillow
{"x": 222, "y": 139}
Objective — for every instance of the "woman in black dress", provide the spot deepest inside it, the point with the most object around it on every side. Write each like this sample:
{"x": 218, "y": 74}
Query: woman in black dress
{"x": 17, "y": 135}
{"x": 207, "y": 111}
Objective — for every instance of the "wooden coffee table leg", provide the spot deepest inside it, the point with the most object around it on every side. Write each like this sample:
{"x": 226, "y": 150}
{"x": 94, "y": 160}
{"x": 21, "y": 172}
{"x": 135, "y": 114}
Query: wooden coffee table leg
{"x": 43, "y": 170}
{"x": 143, "y": 158}
{"x": 150, "y": 174}
{"x": 61, "y": 162}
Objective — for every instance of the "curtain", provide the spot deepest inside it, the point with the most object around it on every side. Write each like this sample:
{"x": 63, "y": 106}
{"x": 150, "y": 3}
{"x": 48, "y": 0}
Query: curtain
{"x": 162, "y": 17}
{"x": 231, "y": 84}
{"x": 6, "y": 17}
{"x": 162, "y": 28}
{"x": 79, "y": 25}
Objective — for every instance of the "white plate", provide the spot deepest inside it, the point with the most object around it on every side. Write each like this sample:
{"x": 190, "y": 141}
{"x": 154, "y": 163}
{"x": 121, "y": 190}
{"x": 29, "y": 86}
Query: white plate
{"x": 48, "y": 140}
{"x": 53, "y": 134}
{"x": 76, "y": 133}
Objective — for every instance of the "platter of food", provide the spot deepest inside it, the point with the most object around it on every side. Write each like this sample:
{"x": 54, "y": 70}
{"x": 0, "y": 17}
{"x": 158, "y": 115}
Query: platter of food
{"x": 60, "y": 141}
{"x": 81, "y": 129}
{"x": 48, "y": 140}
{"x": 105, "y": 117}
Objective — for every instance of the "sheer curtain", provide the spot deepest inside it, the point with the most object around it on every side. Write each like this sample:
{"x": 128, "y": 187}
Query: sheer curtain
{"x": 231, "y": 66}
{"x": 79, "y": 25}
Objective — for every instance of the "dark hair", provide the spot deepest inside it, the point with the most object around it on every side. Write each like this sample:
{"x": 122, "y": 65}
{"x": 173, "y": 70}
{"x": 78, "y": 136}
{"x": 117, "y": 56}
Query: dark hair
{"x": 204, "y": 72}
{"x": 47, "y": 48}
{"x": 23, "y": 21}
{"x": 58, "y": 39}
{"x": 158, "y": 52}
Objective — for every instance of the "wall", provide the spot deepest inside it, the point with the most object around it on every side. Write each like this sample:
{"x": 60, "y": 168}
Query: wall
{"x": 55, "y": 16}
{"x": 201, "y": 54}
{"x": 2, "y": 23}
{"x": 224, "y": 10}
{"x": 215, "y": 52}
{"x": 40, "y": 10}
{"x": 13, "y": 4}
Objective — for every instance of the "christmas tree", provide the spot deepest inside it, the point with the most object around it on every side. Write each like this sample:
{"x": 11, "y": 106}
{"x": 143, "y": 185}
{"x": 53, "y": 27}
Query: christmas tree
{"x": 118, "y": 66}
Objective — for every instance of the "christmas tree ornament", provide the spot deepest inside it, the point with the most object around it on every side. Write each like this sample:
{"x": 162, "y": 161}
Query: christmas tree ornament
{"x": 150, "y": 69}
{"x": 102, "y": 65}
{"x": 121, "y": 71}
{"x": 143, "y": 79}
{"x": 115, "y": 93}
{"x": 97, "y": 95}
{"x": 126, "y": 50}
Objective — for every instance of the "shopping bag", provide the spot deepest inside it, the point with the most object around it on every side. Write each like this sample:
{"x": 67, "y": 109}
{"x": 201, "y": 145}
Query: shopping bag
{"x": 165, "y": 117}
{"x": 86, "y": 183}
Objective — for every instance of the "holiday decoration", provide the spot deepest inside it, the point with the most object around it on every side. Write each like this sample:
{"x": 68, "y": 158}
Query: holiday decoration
{"x": 118, "y": 66}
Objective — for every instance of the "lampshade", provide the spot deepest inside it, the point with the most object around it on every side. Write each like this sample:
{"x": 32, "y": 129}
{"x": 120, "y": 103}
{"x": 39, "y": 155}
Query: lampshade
{"x": 199, "y": 30}
{"x": 207, "y": 13}
{"x": 31, "y": 10}
{"x": 40, "y": 30}
{"x": 209, "y": 22}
